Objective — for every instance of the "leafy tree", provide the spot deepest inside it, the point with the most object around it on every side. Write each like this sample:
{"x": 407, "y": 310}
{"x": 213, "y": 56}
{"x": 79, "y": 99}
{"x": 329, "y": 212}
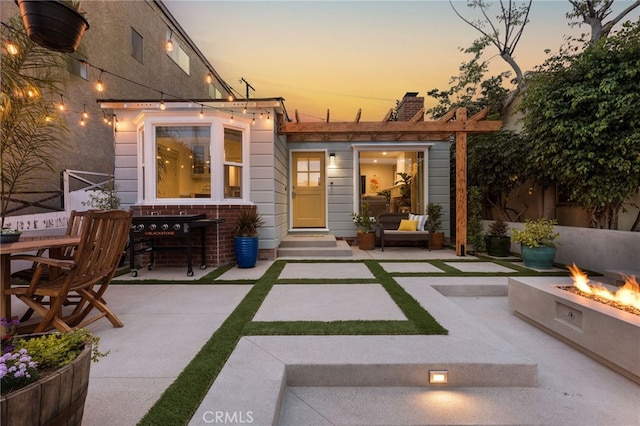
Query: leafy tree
{"x": 470, "y": 89}
{"x": 512, "y": 17}
{"x": 594, "y": 12}
{"x": 31, "y": 133}
{"x": 582, "y": 123}
{"x": 496, "y": 166}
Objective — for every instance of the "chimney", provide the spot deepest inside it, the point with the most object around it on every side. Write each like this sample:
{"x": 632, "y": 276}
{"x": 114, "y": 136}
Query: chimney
{"x": 409, "y": 106}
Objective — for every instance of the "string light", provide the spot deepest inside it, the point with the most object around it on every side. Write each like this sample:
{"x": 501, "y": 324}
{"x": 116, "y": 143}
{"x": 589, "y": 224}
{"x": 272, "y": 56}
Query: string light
{"x": 209, "y": 78}
{"x": 104, "y": 118}
{"x": 231, "y": 118}
{"x": 168, "y": 46}
{"x": 61, "y": 106}
{"x": 99, "y": 84}
{"x": 230, "y": 98}
{"x": 268, "y": 116}
{"x": 82, "y": 123}
{"x": 201, "y": 111}
{"x": 11, "y": 47}
{"x": 84, "y": 111}
{"x": 162, "y": 105}
{"x": 244, "y": 110}
{"x": 260, "y": 115}
{"x": 253, "y": 121}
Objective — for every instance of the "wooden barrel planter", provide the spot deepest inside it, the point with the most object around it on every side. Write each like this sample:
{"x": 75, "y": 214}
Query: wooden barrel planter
{"x": 57, "y": 399}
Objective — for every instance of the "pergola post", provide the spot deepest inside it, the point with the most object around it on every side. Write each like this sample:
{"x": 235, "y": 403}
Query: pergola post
{"x": 461, "y": 192}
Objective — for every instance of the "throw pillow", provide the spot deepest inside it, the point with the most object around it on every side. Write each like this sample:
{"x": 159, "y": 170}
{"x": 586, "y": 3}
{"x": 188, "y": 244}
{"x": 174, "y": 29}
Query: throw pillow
{"x": 421, "y": 218}
{"x": 407, "y": 225}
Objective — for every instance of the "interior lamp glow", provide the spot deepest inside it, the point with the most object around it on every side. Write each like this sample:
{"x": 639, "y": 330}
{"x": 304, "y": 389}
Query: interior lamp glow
{"x": 438, "y": 376}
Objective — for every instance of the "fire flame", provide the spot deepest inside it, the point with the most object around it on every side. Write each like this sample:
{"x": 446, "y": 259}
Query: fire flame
{"x": 628, "y": 294}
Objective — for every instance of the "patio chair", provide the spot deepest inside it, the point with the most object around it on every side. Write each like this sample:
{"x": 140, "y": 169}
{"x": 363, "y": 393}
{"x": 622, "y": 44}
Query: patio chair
{"x": 103, "y": 236}
{"x": 74, "y": 225}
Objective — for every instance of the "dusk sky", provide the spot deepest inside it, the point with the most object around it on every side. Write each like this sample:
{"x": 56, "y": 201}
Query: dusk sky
{"x": 345, "y": 55}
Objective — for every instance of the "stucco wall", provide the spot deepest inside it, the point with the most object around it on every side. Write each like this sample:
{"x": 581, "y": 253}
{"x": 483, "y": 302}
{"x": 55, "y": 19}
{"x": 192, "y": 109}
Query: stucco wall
{"x": 593, "y": 249}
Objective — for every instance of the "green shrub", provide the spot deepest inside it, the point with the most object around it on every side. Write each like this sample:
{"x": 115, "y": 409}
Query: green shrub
{"x": 536, "y": 233}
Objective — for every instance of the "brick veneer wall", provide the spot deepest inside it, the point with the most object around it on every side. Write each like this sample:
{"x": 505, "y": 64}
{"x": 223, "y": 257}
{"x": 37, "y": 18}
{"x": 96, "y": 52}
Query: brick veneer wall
{"x": 218, "y": 239}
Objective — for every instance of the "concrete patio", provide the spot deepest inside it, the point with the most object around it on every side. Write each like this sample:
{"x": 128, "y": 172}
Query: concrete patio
{"x": 502, "y": 370}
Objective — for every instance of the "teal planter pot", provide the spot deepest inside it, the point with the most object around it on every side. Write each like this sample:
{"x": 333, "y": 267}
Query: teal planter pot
{"x": 538, "y": 257}
{"x": 246, "y": 251}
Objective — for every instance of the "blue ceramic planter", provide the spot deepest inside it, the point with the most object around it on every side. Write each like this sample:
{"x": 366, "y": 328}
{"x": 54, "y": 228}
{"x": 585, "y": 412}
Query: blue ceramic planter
{"x": 538, "y": 257}
{"x": 246, "y": 251}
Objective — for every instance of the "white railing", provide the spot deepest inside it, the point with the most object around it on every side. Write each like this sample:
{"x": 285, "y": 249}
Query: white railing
{"x": 73, "y": 200}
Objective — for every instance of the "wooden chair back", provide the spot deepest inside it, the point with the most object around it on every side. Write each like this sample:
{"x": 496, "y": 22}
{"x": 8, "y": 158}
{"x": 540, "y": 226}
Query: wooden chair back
{"x": 103, "y": 236}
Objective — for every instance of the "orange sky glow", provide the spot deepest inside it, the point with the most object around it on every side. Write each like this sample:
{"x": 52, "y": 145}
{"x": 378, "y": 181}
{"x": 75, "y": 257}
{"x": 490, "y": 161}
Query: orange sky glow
{"x": 346, "y": 55}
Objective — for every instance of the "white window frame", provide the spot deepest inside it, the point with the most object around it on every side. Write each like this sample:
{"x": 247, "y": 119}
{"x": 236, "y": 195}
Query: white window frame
{"x": 357, "y": 148}
{"x": 217, "y": 122}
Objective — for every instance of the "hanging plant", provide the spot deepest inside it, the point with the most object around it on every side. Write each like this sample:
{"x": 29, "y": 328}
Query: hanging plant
{"x": 56, "y": 25}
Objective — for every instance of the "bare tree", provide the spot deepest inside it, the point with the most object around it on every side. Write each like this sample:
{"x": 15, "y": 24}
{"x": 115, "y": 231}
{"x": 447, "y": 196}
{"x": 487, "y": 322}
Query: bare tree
{"x": 594, "y": 12}
{"x": 513, "y": 18}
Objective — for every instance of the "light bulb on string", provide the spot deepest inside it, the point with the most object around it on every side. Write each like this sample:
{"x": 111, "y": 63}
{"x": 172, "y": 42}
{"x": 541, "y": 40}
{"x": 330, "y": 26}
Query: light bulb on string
{"x": 168, "y": 46}
{"x": 85, "y": 114}
{"x": 99, "y": 84}
{"x": 162, "y": 105}
{"x": 244, "y": 110}
{"x": 11, "y": 47}
{"x": 253, "y": 121}
{"x": 268, "y": 116}
{"x": 201, "y": 111}
{"x": 230, "y": 98}
{"x": 209, "y": 78}
{"x": 104, "y": 118}
{"x": 260, "y": 115}
{"x": 82, "y": 123}
{"x": 231, "y": 118}
{"x": 61, "y": 106}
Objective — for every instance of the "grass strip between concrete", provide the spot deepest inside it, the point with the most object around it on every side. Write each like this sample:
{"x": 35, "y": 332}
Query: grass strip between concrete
{"x": 180, "y": 401}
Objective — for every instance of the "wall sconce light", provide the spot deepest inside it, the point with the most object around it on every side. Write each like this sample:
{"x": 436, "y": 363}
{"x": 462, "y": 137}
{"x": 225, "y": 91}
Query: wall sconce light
{"x": 332, "y": 158}
{"x": 438, "y": 376}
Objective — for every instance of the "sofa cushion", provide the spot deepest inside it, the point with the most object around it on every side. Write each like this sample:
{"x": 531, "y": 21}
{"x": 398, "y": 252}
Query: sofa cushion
{"x": 408, "y": 225}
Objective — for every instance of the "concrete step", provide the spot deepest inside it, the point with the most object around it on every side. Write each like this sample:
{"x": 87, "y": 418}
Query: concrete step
{"x": 312, "y": 240}
{"x": 339, "y": 249}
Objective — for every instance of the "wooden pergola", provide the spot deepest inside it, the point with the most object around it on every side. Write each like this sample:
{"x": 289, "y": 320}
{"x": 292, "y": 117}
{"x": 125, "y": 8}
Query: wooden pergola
{"x": 454, "y": 123}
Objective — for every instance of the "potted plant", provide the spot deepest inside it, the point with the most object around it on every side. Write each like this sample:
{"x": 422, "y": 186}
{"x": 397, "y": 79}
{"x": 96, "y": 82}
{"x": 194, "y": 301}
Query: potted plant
{"x": 434, "y": 211}
{"x": 405, "y": 188}
{"x": 497, "y": 240}
{"x": 9, "y": 235}
{"x": 32, "y": 369}
{"x": 538, "y": 242}
{"x": 245, "y": 241}
{"x": 56, "y": 25}
{"x": 365, "y": 235}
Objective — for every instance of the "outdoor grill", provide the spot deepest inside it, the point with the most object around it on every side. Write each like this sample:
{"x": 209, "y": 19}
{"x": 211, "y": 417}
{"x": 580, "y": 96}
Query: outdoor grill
{"x": 145, "y": 230}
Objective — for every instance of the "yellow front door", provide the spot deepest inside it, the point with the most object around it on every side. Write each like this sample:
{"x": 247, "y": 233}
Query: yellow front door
{"x": 308, "y": 190}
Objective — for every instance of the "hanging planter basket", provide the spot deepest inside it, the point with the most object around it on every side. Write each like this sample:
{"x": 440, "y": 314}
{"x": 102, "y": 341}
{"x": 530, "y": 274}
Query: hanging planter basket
{"x": 53, "y": 24}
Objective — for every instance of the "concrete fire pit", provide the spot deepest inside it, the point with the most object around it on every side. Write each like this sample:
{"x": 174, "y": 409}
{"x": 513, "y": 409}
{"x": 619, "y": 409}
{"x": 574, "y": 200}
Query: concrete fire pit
{"x": 608, "y": 335}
